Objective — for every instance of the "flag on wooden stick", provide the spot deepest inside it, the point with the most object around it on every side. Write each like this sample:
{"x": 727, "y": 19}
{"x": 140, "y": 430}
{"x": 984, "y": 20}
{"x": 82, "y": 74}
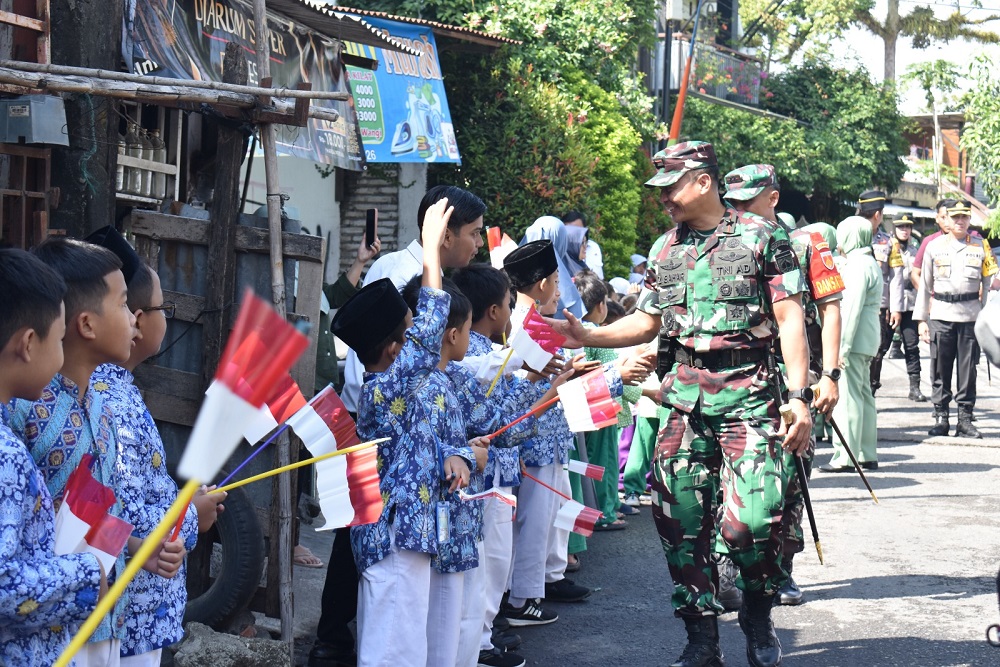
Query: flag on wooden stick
{"x": 577, "y": 518}
{"x": 347, "y": 486}
{"x": 535, "y": 341}
{"x": 586, "y": 469}
{"x": 587, "y": 402}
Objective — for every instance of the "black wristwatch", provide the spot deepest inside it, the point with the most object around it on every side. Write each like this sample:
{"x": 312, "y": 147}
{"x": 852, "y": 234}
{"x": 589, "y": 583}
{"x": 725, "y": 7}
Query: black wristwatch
{"x": 833, "y": 374}
{"x": 805, "y": 395}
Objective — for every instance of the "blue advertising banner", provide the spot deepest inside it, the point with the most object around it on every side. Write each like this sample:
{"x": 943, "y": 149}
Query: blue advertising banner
{"x": 402, "y": 110}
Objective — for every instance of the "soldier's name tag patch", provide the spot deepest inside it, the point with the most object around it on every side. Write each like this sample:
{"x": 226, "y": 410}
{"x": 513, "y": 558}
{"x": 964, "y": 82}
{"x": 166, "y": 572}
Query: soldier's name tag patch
{"x": 732, "y": 263}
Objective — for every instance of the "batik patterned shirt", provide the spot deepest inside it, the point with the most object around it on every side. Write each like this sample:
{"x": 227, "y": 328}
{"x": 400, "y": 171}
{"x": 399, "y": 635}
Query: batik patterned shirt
{"x": 43, "y": 597}
{"x": 59, "y": 429}
{"x": 153, "y": 620}
{"x": 447, "y": 421}
{"x": 409, "y": 463}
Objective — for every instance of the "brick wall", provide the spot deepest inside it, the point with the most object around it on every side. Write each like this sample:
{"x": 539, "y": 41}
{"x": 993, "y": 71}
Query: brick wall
{"x": 363, "y": 191}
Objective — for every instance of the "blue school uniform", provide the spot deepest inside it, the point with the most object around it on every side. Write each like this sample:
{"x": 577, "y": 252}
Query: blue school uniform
{"x": 58, "y": 429}
{"x": 153, "y": 620}
{"x": 409, "y": 463}
{"x": 43, "y": 597}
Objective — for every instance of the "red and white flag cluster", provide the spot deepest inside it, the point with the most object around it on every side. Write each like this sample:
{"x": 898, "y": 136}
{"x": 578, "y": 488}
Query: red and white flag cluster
{"x": 500, "y": 245}
{"x": 586, "y": 469}
{"x": 285, "y": 400}
{"x": 587, "y": 402}
{"x": 261, "y": 349}
{"x": 347, "y": 486}
{"x": 534, "y": 340}
{"x": 577, "y": 518}
{"x": 83, "y": 524}
{"x": 507, "y": 498}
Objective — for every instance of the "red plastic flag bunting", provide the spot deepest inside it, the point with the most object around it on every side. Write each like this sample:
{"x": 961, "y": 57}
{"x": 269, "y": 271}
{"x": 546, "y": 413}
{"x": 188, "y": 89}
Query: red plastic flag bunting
{"x": 83, "y": 523}
{"x": 587, "y": 402}
{"x": 534, "y": 340}
{"x": 285, "y": 400}
{"x": 586, "y": 469}
{"x": 500, "y": 246}
{"x": 507, "y": 498}
{"x": 259, "y": 353}
{"x": 577, "y": 518}
{"x": 347, "y": 486}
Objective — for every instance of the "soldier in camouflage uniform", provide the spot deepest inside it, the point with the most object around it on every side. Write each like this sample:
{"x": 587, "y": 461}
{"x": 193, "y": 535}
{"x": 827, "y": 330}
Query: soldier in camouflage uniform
{"x": 870, "y": 205}
{"x": 754, "y": 189}
{"x": 723, "y": 286}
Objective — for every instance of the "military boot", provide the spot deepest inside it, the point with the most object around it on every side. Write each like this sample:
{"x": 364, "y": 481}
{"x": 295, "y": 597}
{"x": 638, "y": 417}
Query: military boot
{"x": 789, "y": 593}
{"x": 941, "y": 424}
{"x": 763, "y": 647}
{"x": 729, "y": 596}
{"x": 965, "y": 427}
{"x": 702, "y": 649}
{"x": 915, "y": 394}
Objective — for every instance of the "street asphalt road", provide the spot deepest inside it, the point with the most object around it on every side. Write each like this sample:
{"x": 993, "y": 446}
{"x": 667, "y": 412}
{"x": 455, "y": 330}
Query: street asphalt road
{"x": 908, "y": 582}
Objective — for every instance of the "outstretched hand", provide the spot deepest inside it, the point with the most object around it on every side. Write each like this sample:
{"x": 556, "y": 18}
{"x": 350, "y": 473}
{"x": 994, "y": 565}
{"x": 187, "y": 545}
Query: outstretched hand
{"x": 573, "y": 330}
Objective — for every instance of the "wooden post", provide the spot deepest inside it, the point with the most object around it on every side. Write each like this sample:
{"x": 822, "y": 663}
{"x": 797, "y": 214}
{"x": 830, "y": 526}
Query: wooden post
{"x": 281, "y": 549}
{"x": 221, "y": 270}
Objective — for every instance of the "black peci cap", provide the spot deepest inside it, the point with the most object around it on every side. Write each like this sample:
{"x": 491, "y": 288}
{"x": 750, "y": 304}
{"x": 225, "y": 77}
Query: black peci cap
{"x": 530, "y": 263}
{"x": 109, "y": 238}
{"x": 369, "y": 316}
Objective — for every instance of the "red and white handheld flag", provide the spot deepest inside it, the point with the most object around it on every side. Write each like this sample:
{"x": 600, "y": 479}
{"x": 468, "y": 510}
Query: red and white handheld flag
{"x": 577, "y": 518}
{"x": 348, "y": 486}
{"x": 83, "y": 523}
{"x": 535, "y": 341}
{"x": 261, "y": 349}
{"x": 500, "y": 245}
{"x": 507, "y": 498}
{"x": 586, "y": 469}
{"x": 285, "y": 400}
{"x": 587, "y": 402}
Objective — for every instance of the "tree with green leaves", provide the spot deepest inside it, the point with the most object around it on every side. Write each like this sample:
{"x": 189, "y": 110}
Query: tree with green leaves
{"x": 938, "y": 79}
{"x": 981, "y": 137}
{"x": 796, "y": 27}
{"x": 924, "y": 27}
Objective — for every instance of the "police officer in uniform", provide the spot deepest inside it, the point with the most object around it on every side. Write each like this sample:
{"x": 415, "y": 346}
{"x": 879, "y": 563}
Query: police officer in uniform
{"x": 870, "y": 205}
{"x": 902, "y": 296}
{"x": 955, "y": 279}
{"x": 722, "y": 288}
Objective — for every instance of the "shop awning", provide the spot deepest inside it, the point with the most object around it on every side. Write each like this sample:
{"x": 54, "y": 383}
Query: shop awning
{"x": 335, "y": 23}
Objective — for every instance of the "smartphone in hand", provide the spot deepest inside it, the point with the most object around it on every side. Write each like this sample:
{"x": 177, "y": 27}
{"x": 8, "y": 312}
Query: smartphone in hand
{"x": 371, "y": 226}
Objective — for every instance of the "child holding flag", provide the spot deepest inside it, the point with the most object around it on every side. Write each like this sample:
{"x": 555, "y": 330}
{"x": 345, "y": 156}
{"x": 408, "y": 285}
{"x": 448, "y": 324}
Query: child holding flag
{"x": 394, "y": 554}
{"x": 67, "y": 422}
{"x": 153, "y": 620}
{"x": 42, "y": 596}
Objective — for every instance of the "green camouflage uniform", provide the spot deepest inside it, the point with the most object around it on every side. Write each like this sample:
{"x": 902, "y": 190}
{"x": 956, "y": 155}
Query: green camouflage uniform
{"x": 714, "y": 292}
{"x": 824, "y": 283}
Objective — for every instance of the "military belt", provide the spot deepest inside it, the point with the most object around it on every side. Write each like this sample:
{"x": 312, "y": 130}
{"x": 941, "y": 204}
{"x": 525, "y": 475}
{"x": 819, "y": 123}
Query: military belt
{"x": 719, "y": 358}
{"x": 957, "y": 298}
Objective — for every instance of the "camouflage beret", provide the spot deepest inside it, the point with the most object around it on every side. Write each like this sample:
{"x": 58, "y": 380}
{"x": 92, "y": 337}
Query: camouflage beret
{"x": 747, "y": 182}
{"x": 673, "y": 161}
{"x": 958, "y": 209}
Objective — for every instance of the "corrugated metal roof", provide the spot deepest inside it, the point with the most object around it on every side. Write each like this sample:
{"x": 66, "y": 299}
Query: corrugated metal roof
{"x": 439, "y": 29}
{"x": 336, "y": 23}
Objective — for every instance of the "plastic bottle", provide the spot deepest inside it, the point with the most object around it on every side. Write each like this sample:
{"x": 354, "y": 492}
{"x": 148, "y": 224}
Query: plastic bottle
{"x": 120, "y": 172}
{"x": 133, "y": 175}
{"x": 147, "y": 175}
{"x": 160, "y": 157}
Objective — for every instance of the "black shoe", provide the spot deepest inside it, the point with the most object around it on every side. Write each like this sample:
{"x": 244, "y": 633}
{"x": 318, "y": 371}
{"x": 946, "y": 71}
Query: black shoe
{"x": 965, "y": 427}
{"x": 324, "y": 654}
{"x": 915, "y": 394}
{"x": 530, "y": 614}
{"x": 565, "y": 590}
{"x": 763, "y": 647}
{"x": 702, "y": 649}
{"x": 729, "y": 596}
{"x": 895, "y": 353}
{"x": 500, "y": 622}
{"x": 830, "y": 468}
{"x": 498, "y": 658}
{"x": 506, "y": 641}
{"x": 869, "y": 465}
{"x": 941, "y": 424}
{"x": 790, "y": 594}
